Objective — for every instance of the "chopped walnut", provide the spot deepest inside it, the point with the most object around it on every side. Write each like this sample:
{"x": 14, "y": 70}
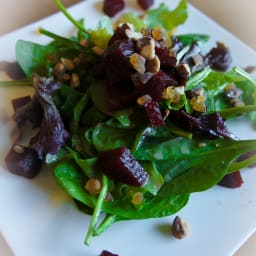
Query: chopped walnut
{"x": 144, "y": 99}
{"x": 173, "y": 93}
{"x": 93, "y": 186}
{"x": 198, "y": 60}
{"x": 97, "y": 50}
{"x": 133, "y": 34}
{"x": 146, "y": 32}
{"x": 137, "y": 198}
{"x": 146, "y": 47}
{"x": 59, "y": 70}
{"x": 18, "y": 149}
{"x": 158, "y": 33}
{"x": 138, "y": 63}
{"x": 75, "y": 80}
{"x": 153, "y": 66}
{"x": 68, "y": 64}
{"x": 179, "y": 228}
{"x": 198, "y": 103}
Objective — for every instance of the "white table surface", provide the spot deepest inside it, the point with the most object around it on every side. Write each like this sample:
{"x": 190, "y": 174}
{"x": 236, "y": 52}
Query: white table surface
{"x": 237, "y": 16}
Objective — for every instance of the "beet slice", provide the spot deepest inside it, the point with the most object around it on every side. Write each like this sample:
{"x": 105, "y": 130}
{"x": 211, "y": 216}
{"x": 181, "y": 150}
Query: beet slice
{"x": 119, "y": 34}
{"x": 19, "y": 102}
{"x": 107, "y": 253}
{"x": 112, "y": 7}
{"x": 117, "y": 61}
{"x": 154, "y": 113}
{"x": 167, "y": 61}
{"x": 120, "y": 165}
{"x": 219, "y": 58}
{"x": 156, "y": 85}
{"x": 145, "y": 4}
{"x": 232, "y": 180}
{"x": 23, "y": 161}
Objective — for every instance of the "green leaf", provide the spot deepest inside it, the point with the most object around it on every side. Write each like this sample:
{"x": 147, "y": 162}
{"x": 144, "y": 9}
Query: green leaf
{"x": 133, "y": 19}
{"x": 196, "y": 78}
{"x": 88, "y": 166}
{"x": 188, "y": 39}
{"x": 152, "y": 206}
{"x": 73, "y": 182}
{"x": 168, "y": 19}
{"x": 33, "y": 57}
{"x": 200, "y": 171}
{"x": 105, "y": 137}
{"x": 102, "y": 34}
{"x": 155, "y": 181}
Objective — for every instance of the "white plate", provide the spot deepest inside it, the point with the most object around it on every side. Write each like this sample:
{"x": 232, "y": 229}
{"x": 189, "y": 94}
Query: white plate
{"x": 38, "y": 219}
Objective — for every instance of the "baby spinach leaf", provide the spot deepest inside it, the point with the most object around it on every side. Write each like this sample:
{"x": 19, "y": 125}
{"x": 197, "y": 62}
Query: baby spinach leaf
{"x": 105, "y": 137}
{"x": 155, "y": 178}
{"x": 73, "y": 181}
{"x": 102, "y": 34}
{"x": 152, "y": 206}
{"x": 168, "y": 19}
{"x": 88, "y": 166}
{"x": 200, "y": 172}
{"x": 33, "y": 57}
{"x": 188, "y": 39}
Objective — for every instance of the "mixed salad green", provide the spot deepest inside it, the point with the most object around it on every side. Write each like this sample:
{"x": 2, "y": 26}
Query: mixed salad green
{"x": 179, "y": 139}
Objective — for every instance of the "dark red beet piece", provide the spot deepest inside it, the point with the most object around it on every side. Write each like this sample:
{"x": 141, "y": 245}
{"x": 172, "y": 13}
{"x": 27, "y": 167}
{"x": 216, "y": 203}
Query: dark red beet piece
{"x": 232, "y": 180}
{"x": 156, "y": 85}
{"x": 107, "y": 253}
{"x": 219, "y": 58}
{"x": 210, "y": 125}
{"x": 23, "y": 161}
{"x": 145, "y": 4}
{"x": 112, "y": 7}
{"x": 119, "y": 34}
{"x": 166, "y": 60}
{"x": 19, "y": 102}
{"x": 154, "y": 113}
{"x": 12, "y": 69}
{"x": 117, "y": 60}
{"x": 120, "y": 165}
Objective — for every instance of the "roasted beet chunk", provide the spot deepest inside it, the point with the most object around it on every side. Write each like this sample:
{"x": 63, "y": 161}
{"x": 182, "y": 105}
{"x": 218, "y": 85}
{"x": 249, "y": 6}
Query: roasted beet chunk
{"x": 119, "y": 34}
{"x": 232, "y": 180}
{"x": 210, "y": 125}
{"x": 117, "y": 61}
{"x": 166, "y": 60}
{"x": 23, "y": 161}
{"x": 112, "y": 7}
{"x": 154, "y": 113}
{"x": 145, "y": 4}
{"x": 20, "y": 102}
{"x": 120, "y": 165}
{"x": 219, "y": 58}
{"x": 107, "y": 253}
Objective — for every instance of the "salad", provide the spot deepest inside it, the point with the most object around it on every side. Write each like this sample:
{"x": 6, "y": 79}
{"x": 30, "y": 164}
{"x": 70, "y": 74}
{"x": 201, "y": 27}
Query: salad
{"x": 132, "y": 118}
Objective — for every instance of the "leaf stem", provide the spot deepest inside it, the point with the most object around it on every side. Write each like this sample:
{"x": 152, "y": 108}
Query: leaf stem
{"x": 24, "y": 82}
{"x": 65, "y": 12}
{"x": 236, "y": 111}
{"x": 236, "y": 166}
{"x": 107, "y": 222}
{"x": 97, "y": 210}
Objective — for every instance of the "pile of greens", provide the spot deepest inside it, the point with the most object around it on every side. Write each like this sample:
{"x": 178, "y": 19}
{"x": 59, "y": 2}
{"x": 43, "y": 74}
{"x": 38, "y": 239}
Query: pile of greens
{"x": 178, "y": 161}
